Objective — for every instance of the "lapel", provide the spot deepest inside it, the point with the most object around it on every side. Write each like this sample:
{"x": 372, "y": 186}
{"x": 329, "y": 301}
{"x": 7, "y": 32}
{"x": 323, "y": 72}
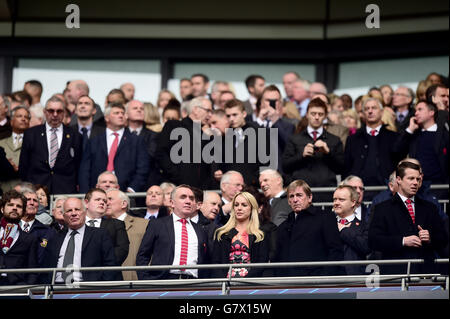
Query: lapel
{"x": 404, "y": 214}
{"x": 87, "y": 237}
{"x": 420, "y": 212}
{"x": 10, "y": 143}
{"x": 128, "y": 222}
{"x": 123, "y": 140}
{"x": 43, "y": 141}
{"x": 201, "y": 243}
{"x": 103, "y": 145}
{"x": 170, "y": 231}
{"x": 65, "y": 142}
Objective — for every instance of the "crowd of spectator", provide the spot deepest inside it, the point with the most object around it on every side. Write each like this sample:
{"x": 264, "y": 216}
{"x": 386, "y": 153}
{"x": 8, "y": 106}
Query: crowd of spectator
{"x": 226, "y": 181}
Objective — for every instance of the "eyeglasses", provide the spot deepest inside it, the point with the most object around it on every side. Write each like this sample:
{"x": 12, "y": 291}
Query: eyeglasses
{"x": 205, "y": 109}
{"x": 51, "y": 111}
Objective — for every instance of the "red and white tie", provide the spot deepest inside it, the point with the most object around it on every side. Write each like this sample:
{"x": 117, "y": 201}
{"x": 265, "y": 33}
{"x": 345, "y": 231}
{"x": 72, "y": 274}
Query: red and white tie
{"x": 184, "y": 243}
{"x": 112, "y": 153}
{"x": 410, "y": 210}
{"x": 373, "y": 132}
{"x": 343, "y": 221}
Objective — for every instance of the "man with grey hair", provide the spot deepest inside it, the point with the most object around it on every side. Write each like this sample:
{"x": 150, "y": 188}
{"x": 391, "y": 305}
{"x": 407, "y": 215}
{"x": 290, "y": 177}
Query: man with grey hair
{"x": 74, "y": 90}
{"x": 216, "y": 90}
{"x": 361, "y": 211}
{"x": 300, "y": 95}
{"x": 20, "y": 122}
{"x": 373, "y": 151}
{"x": 117, "y": 208}
{"x": 402, "y": 103}
{"x": 118, "y": 151}
{"x": 271, "y": 183}
{"x": 57, "y": 213}
{"x": 34, "y": 224}
{"x": 51, "y": 152}
{"x": 231, "y": 183}
{"x": 190, "y": 168}
{"x": 317, "y": 88}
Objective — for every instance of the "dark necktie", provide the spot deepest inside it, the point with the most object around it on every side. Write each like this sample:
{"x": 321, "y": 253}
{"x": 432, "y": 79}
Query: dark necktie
{"x": 315, "y": 135}
{"x": 134, "y": 132}
{"x": 70, "y": 252}
{"x": 152, "y": 217}
{"x": 92, "y": 222}
{"x": 85, "y": 137}
{"x": 401, "y": 117}
{"x": 26, "y": 227}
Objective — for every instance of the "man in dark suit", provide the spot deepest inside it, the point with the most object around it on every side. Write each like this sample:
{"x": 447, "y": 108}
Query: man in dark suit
{"x": 84, "y": 124}
{"x": 116, "y": 150}
{"x": 174, "y": 240}
{"x": 361, "y": 211}
{"x": 80, "y": 246}
{"x": 314, "y": 154}
{"x": 189, "y": 168}
{"x": 428, "y": 143}
{"x": 154, "y": 201}
{"x": 401, "y": 102}
{"x": 51, "y": 152}
{"x": 136, "y": 124}
{"x": 353, "y": 233}
{"x": 407, "y": 227}
{"x": 307, "y": 235}
{"x": 255, "y": 85}
{"x": 96, "y": 204}
{"x": 373, "y": 151}
{"x": 18, "y": 249}
{"x": 271, "y": 184}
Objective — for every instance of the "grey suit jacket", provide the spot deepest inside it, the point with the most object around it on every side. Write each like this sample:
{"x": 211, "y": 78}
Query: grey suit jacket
{"x": 280, "y": 209}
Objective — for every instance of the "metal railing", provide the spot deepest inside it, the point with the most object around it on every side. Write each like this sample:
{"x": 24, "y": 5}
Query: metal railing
{"x": 313, "y": 189}
{"x": 227, "y": 283}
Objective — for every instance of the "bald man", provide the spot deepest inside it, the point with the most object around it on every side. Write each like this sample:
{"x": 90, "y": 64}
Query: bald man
{"x": 74, "y": 90}
{"x": 128, "y": 90}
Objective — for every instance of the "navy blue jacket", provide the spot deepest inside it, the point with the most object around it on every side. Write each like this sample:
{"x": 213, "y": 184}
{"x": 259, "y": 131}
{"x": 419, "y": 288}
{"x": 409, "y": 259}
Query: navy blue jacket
{"x": 131, "y": 163}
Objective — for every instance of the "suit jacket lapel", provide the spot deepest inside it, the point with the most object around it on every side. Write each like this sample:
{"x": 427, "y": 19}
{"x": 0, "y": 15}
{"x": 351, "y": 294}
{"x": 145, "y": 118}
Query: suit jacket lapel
{"x": 123, "y": 140}
{"x": 87, "y": 237}
{"x": 43, "y": 140}
{"x": 128, "y": 222}
{"x": 171, "y": 232}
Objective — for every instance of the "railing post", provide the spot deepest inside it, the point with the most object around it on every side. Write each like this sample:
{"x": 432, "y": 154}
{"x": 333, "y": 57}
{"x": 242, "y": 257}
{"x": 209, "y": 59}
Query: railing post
{"x": 446, "y": 283}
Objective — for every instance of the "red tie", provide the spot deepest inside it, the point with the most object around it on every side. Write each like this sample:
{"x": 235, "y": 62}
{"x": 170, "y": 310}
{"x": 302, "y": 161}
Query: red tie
{"x": 373, "y": 132}
{"x": 343, "y": 221}
{"x": 314, "y": 135}
{"x": 410, "y": 210}
{"x": 184, "y": 243}
{"x": 112, "y": 153}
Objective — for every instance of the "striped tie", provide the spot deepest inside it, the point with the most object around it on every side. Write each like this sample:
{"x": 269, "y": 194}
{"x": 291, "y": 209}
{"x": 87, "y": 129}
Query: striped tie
{"x": 410, "y": 210}
{"x": 53, "y": 147}
{"x": 184, "y": 243}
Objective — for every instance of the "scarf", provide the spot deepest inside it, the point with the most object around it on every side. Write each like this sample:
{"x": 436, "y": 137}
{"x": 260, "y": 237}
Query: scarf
{"x": 9, "y": 233}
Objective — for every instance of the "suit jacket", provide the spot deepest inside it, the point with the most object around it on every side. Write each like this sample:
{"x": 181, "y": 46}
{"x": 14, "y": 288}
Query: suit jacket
{"x": 5, "y": 130}
{"x": 131, "y": 162}
{"x": 403, "y": 125}
{"x": 258, "y": 251}
{"x": 117, "y": 232}
{"x": 158, "y": 247}
{"x": 96, "y": 129}
{"x": 151, "y": 141}
{"x": 440, "y": 146}
{"x": 356, "y": 245}
{"x": 163, "y": 212}
{"x": 391, "y": 222}
{"x": 195, "y": 174}
{"x": 312, "y": 236}
{"x": 97, "y": 251}
{"x": 34, "y": 166}
{"x": 13, "y": 153}
{"x": 23, "y": 254}
{"x": 280, "y": 209}
{"x": 43, "y": 235}
{"x": 388, "y": 155}
{"x": 318, "y": 170}
{"x": 136, "y": 228}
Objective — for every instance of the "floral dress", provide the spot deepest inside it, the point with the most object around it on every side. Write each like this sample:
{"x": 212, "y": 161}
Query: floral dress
{"x": 239, "y": 254}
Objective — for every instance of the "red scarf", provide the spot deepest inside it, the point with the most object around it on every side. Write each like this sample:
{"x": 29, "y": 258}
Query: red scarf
{"x": 9, "y": 231}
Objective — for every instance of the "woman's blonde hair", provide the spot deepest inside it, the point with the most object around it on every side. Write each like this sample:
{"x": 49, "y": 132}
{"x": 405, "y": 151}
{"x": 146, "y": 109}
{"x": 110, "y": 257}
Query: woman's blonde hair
{"x": 253, "y": 224}
{"x": 352, "y": 113}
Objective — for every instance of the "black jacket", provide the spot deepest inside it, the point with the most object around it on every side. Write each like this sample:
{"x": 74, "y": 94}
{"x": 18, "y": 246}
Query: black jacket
{"x": 312, "y": 236}
{"x": 356, "y": 245}
{"x": 258, "y": 251}
{"x": 119, "y": 238}
{"x": 391, "y": 222}
{"x": 318, "y": 170}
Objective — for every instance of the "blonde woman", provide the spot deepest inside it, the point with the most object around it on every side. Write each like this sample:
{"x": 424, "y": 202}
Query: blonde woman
{"x": 240, "y": 240}
{"x": 152, "y": 118}
{"x": 352, "y": 121}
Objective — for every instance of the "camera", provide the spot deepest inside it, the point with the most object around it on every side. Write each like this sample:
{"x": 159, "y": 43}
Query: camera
{"x": 272, "y": 102}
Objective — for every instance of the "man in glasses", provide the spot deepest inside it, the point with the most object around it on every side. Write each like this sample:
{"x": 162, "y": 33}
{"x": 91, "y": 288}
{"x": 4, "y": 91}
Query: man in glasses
{"x": 51, "y": 152}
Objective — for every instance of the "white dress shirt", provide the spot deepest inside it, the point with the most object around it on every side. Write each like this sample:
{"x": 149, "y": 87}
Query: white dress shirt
{"x": 348, "y": 218}
{"x": 97, "y": 222}
{"x": 192, "y": 256}
{"x": 77, "y": 254}
{"x": 122, "y": 217}
{"x": 110, "y": 137}
{"x": 22, "y": 224}
{"x": 378, "y": 128}
{"x": 59, "y": 136}
{"x": 311, "y": 130}
{"x": 358, "y": 212}
{"x": 148, "y": 215}
{"x": 17, "y": 138}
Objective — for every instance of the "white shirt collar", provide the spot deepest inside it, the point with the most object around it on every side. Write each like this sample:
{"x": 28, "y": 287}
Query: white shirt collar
{"x": 122, "y": 217}
{"x": 195, "y": 219}
{"x": 319, "y": 131}
{"x": 378, "y": 128}
{"x": 3, "y": 122}
{"x": 405, "y": 198}
{"x": 110, "y": 132}
{"x": 177, "y": 218}
{"x": 432, "y": 128}
{"x": 348, "y": 218}
{"x": 22, "y": 224}
{"x": 48, "y": 128}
